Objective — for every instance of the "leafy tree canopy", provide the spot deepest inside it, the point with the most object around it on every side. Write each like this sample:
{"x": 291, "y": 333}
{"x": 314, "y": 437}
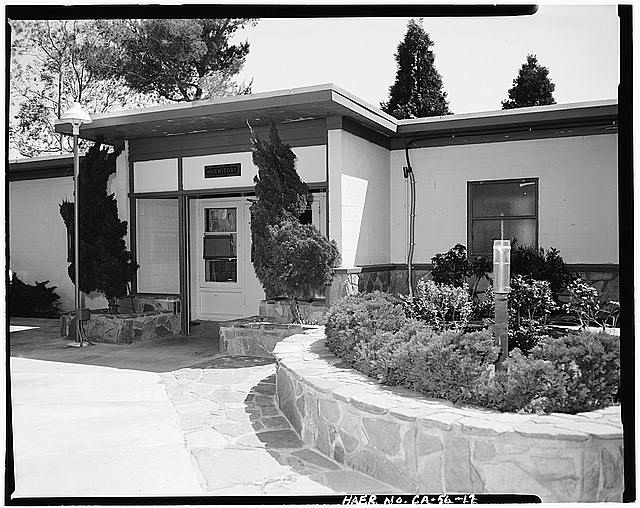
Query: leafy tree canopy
{"x": 50, "y": 70}
{"x": 418, "y": 89}
{"x": 179, "y": 59}
{"x": 532, "y": 87}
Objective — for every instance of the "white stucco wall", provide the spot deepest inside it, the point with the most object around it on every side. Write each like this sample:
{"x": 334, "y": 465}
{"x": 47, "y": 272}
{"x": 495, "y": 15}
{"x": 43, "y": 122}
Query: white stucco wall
{"x": 578, "y": 206}
{"x": 155, "y": 176}
{"x": 310, "y": 164}
{"x": 38, "y": 236}
{"x": 359, "y": 199}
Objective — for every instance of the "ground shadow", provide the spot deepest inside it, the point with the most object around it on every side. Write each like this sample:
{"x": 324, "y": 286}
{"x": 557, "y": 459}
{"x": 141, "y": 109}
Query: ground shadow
{"x": 165, "y": 354}
{"x": 279, "y": 437}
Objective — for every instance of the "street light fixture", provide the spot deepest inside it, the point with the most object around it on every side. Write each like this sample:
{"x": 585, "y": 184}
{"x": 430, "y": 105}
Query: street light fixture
{"x": 76, "y": 116}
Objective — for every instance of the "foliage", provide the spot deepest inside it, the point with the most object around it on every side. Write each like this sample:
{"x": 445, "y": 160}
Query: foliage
{"x": 288, "y": 256}
{"x": 105, "y": 262}
{"x": 50, "y": 70}
{"x": 577, "y": 372}
{"x": 441, "y": 306}
{"x": 541, "y": 265}
{"x": 590, "y": 367}
{"x": 417, "y": 91}
{"x": 530, "y": 304}
{"x": 179, "y": 59}
{"x": 532, "y": 86}
{"x": 587, "y": 306}
{"x": 454, "y": 268}
{"x": 25, "y": 300}
{"x": 568, "y": 374}
{"x": 356, "y": 318}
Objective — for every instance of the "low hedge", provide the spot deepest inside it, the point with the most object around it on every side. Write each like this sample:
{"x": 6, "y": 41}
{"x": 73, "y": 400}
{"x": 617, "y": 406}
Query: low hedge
{"x": 569, "y": 374}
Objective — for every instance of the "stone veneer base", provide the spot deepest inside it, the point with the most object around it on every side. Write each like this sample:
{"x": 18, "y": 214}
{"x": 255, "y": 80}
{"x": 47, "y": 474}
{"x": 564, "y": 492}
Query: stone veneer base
{"x": 255, "y": 336}
{"x": 426, "y": 445}
{"x": 127, "y": 328}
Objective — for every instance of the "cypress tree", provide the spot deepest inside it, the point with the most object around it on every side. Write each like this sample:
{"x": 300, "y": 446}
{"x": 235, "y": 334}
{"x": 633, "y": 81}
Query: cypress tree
{"x": 418, "y": 89}
{"x": 105, "y": 263}
{"x": 288, "y": 256}
{"x": 532, "y": 86}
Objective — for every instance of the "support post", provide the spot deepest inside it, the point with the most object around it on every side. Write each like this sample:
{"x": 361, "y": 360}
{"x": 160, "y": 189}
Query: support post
{"x": 501, "y": 289}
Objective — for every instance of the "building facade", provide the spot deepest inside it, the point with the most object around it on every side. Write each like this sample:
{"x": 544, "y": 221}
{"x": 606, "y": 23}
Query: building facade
{"x": 185, "y": 184}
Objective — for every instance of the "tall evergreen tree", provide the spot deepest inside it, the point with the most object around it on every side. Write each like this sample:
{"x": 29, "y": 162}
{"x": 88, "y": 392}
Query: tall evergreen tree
{"x": 418, "y": 89}
{"x": 105, "y": 262}
{"x": 288, "y": 256}
{"x": 532, "y": 87}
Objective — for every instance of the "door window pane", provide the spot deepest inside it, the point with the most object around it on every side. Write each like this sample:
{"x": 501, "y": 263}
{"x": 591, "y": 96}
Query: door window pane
{"x": 219, "y": 245}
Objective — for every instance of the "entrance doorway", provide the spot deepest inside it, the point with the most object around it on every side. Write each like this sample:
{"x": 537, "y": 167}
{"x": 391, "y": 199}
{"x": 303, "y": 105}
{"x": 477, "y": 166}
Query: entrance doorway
{"x": 224, "y": 285}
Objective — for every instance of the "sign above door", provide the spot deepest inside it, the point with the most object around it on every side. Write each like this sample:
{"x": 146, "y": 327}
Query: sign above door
{"x": 220, "y": 170}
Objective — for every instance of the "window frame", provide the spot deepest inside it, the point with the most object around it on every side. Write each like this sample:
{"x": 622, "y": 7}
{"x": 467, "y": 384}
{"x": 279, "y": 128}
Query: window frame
{"x": 471, "y": 218}
{"x": 211, "y": 234}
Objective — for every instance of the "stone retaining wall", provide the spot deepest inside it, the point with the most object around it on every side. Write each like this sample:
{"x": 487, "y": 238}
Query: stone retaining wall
{"x": 278, "y": 311}
{"x": 423, "y": 445}
{"x": 255, "y": 336}
{"x": 126, "y": 328}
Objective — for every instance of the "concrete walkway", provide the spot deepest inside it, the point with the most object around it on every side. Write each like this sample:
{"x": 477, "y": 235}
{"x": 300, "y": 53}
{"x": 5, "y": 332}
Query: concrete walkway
{"x": 169, "y": 417}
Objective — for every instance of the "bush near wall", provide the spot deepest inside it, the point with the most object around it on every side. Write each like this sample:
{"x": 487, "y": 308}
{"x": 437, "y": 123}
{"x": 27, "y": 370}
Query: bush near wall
{"x": 38, "y": 300}
{"x": 573, "y": 373}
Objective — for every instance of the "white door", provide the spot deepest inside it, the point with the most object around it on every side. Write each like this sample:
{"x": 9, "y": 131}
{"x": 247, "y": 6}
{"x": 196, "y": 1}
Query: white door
{"x": 225, "y": 283}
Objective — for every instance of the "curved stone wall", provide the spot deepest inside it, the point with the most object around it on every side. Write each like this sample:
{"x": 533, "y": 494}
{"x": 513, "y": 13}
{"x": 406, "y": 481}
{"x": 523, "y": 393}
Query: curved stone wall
{"x": 430, "y": 446}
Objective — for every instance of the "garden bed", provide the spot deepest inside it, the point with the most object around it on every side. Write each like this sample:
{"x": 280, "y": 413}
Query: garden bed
{"x": 426, "y": 445}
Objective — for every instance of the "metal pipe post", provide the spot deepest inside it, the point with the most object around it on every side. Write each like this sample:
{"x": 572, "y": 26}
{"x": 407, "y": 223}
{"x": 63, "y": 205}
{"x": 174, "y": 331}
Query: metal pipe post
{"x": 76, "y": 230}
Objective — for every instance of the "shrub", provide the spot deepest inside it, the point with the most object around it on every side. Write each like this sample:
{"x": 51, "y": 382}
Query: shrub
{"x": 26, "y": 300}
{"x": 540, "y": 265}
{"x": 530, "y": 304}
{"x": 453, "y": 268}
{"x": 527, "y": 385}
{"x": 357, "y": 318}
{"x": 590, "y": 367}
{"x": 586, "y": 305}
{"x": 441, "y": 306}
{"x": 577, "y": 372}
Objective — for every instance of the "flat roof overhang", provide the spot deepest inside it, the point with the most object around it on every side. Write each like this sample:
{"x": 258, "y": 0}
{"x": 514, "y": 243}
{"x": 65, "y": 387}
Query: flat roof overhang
{"x": 283, "y": 106}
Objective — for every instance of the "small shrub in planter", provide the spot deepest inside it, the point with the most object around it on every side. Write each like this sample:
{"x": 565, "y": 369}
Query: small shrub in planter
{"x": 357, "y": 318}
{"x": 530, "y": 304}
{"x": 454, "y": 268}
{"x": 26, "y": 300}
{"x": 587, "y": 306}
{"x": 540, "y": 265}
{"x": 441, "y": 306}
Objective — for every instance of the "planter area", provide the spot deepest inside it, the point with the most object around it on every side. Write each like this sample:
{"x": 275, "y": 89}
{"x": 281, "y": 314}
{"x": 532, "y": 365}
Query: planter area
{"x": 151, "y": 318}
{"x": 278, "y": 311}
{"x": 423, "y": 445}
{"x": 255, "y": 336}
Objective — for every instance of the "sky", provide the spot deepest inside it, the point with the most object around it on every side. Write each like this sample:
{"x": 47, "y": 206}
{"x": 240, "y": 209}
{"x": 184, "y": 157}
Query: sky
{"x": 478, "y": 58}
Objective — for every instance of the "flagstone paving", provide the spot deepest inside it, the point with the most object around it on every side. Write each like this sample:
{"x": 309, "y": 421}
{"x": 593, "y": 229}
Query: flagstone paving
{"x": 240, "y": 440}
{"x": 164, "y": 417}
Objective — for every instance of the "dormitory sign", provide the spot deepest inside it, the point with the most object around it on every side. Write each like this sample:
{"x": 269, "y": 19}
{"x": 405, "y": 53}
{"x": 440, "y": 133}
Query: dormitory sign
{"x": 219, "y": 170}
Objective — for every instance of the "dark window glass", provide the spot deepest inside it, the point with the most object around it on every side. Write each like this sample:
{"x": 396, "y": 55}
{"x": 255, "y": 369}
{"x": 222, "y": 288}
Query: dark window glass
{"x": 505, "y": 210}
{"x": 219, "y": 247}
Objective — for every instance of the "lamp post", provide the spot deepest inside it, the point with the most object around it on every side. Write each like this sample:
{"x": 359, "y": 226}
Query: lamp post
{"x": 76, "y": 116}
{"x": 501, "y": 289}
